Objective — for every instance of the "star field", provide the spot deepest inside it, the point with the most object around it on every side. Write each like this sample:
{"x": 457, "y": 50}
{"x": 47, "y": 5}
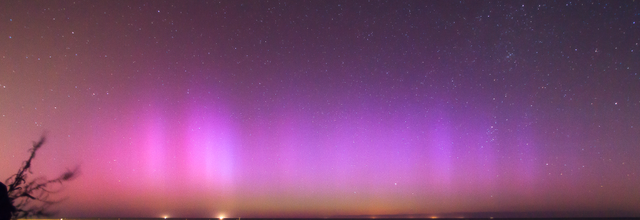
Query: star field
{"x": 325, "y": 108}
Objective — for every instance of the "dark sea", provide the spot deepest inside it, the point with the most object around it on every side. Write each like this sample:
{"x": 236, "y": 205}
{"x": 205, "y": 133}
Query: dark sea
{"x": 479, "y": 215}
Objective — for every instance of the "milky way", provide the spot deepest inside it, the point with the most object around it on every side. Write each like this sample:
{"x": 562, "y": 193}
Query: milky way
{"x": 325, "y": 108}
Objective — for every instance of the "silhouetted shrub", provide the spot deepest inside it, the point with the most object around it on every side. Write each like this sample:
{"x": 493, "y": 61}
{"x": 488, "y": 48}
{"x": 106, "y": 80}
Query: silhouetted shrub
{"x": 31, "y": 198}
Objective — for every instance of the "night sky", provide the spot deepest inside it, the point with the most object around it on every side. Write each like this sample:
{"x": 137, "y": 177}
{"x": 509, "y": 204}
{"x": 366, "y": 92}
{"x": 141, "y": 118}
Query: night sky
{"x": 325, "y": 108}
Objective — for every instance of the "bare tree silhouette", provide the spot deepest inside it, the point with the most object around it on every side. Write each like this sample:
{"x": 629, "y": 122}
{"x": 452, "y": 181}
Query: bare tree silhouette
{"x": 31, "y": 198}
